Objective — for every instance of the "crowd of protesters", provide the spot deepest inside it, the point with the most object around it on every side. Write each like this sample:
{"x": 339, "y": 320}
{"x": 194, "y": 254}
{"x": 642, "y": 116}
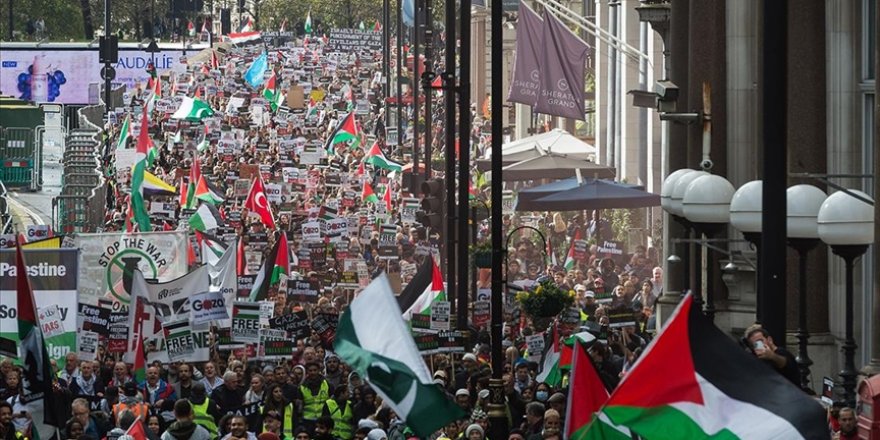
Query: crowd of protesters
{"x": 314, "y": 395}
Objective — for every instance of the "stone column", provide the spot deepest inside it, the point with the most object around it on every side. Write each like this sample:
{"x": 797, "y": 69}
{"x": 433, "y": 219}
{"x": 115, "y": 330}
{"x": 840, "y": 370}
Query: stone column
{"x": 600, "y": 61}
{"x": 807, "y": 145}
{"x": 874, "y": 366}
{"x": 632, "y": 127}
{"x": 479, "y": 61}
{"x": 844, "y": 140}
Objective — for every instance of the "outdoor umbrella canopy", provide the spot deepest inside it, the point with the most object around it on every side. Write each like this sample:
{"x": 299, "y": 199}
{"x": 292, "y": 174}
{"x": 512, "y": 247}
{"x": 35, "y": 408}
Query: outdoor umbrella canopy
{"x": 554, "y": 166}
{"x": 554, "y": 141}
{"x": 526, "y": 196}
{"x": 593, "y": 194}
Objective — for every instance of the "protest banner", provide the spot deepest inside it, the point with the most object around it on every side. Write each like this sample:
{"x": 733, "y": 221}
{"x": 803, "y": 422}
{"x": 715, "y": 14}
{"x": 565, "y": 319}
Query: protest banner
{"x": 117, "y": 341}
{"x": 172, "y": 299}
{"x": 53, "y": 278}
{"x": 50, "y": 321}
{"x": 354, "y": 40}
{"x": 611, "y": 249}
{"x": 246, "y": 322}
{"x": 581, "y": 248}
{"x": 482, "y": 312}
{"x": 303, "y": 290}
{"x": 275, "y": 345}
{"x": 621, "y": 317}
{"x": 161, "y": 256}
{"x": 202, "y": 341}
{"x": 324, "y": 324}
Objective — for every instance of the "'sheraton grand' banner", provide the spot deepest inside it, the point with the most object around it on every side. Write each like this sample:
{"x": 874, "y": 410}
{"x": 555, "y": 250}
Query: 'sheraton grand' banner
{"x": 53, "y": 276}
{"x": 103, "y": 257}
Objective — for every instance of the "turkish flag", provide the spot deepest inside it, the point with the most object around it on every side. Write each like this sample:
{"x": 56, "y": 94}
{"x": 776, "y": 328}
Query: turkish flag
{"x": 257, "y": 203}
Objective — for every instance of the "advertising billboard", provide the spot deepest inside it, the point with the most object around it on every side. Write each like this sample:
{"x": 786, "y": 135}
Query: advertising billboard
{"x": 63, "y": 75}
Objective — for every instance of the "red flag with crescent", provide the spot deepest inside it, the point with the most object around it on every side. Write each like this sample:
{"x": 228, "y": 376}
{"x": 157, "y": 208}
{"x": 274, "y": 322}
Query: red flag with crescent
{"x": 257, "y": 203}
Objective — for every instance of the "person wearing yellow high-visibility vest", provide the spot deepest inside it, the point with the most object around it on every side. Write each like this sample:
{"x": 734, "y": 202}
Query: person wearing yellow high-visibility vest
{"x": 206, "y": 412}
{"x": 315, "y": 392}
{"x": 285, "y": 412}
{"x": 339, "y": 409}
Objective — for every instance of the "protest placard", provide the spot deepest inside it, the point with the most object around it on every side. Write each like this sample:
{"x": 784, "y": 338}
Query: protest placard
{"x": 246, "y": 322}
{"x": 179, "y": 342}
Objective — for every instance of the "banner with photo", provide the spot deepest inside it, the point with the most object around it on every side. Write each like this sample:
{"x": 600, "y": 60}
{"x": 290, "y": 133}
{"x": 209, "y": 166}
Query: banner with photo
{"x": 161, "y": 256}
{"x": 53, "y": 277}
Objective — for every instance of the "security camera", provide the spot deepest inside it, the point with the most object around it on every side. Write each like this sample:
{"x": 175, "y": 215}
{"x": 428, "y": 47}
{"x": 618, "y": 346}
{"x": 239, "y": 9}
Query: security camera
{"x": 706, "y": 165}
{"x": 666, "y": 90}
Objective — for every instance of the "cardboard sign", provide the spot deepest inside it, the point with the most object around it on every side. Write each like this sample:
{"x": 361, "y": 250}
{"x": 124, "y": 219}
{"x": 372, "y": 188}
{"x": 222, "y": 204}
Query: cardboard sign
{"x": 297, "y": 324}
{"x": 482, "y": 313}
{"x": 88, "y": 345}
{"x": 440, "y": 315}
{"x": 324, "y": 324}
{"x": 296, "y": 97}
{"x": 206, "y": 307}
{"x": 246, "y": 322}
{"x": 50, "y": 321}
{"x": 94, "y": 319}
{"x": 179, "y": 342}
{"x": 535, "y": 344}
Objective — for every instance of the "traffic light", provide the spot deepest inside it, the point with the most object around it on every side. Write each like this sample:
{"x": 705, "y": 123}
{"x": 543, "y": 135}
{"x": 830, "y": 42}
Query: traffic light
{"x": 433, "y": 196}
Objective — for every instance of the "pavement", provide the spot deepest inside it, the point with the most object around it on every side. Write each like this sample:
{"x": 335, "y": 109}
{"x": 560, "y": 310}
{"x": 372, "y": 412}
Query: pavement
{"x": 35, "y": 208}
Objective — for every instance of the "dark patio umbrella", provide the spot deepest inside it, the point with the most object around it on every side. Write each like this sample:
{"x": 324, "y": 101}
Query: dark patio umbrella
{"x": 593, "y": 194}
{"x": 527, "y": 196}
{"x": 555, "y": 166}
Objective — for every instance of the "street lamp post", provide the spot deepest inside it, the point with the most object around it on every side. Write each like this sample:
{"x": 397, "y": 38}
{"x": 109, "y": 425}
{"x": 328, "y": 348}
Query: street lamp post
{"x": 746, "y": 209}
{"x": 675, "y": 277}
{"x": 803, "y": 202}
{"x": 706, "y": 204}
{"x": 847, "y": 225}
{"x": 675, "y": 208}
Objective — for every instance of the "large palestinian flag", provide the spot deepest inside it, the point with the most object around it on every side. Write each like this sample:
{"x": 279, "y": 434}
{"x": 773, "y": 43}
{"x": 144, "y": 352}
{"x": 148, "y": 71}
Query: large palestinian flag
{"x": 345, "y": 131}
{"x": 693, "y": 381}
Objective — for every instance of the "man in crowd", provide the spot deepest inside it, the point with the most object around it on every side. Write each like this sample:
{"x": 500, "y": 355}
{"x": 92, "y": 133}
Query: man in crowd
{"x": 184, "y": 384}
{"x": 87, "y": 383}
{"x": 158, "y": 393}
{"x": 779, "y": 358}
{"x": 184, "y": 428}
{"x": 238, "y": 429}
{"x": 315, "y": 392}
{"x": 229, "y": 395}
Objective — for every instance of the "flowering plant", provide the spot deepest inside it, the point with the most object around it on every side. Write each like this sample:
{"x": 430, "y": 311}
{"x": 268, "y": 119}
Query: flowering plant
{"x": 545, "y": 300}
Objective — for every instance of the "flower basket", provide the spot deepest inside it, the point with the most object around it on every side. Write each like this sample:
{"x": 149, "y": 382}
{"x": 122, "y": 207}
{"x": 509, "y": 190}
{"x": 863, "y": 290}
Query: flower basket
{"x": 546, "y": 300}
{"x": 483, "y": 259}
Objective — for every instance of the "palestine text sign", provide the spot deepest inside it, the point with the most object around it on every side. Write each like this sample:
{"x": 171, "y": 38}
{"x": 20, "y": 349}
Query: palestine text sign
{"x": 179, "y": 341}
{"x": 246, "y": 322}
{"x": 354, "y": 40}
{"x": 297, "y": 324}
{"x": 440, "y": 315}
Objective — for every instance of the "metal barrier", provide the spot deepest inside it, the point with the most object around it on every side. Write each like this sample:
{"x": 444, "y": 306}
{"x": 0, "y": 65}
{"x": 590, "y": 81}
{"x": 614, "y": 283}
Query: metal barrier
{"x": 20, "y": 154}
{"x": 5, "y": 214}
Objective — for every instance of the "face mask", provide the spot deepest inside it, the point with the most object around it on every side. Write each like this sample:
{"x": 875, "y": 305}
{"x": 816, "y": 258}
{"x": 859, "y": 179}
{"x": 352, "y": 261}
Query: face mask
{"x": 542, "y": 396}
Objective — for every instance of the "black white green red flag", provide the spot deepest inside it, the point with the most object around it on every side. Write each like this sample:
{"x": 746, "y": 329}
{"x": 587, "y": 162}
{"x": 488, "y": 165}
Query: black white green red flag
{"x": 693, "y": 381}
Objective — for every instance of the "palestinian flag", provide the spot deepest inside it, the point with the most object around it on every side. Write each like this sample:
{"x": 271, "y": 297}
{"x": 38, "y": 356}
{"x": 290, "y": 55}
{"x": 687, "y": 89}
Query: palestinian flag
{"x": 271, "y": 92}
{"x": 212, "y": 247}
{"x": 153, "y": 186}
{"x": 192, "y": 109}
{"x": 586, "y": 396}
{"x": 36, "y": 383}
{"x": 136, "y": 431}
{"x": 240, "y": 263}
{"x": 195, "y": 173}
{"x": 694, "y": 381}
{"x": 139, "y": 170}
{"x": 345, "y": 131}
{"x": 377, "y": 27}
{"x": 569, "y": 259}
{"x": 377, "y": 158}
{"x": 215, "y": 62}
{"x": 312, "y": 109}
{"x": 276, "y": 264}
{"x": 124, "y": 133}
{"x": 367, "y": 195}
{"x": 550, "y": 371}
{"x": 308, "y": 24}
{"x": 432, "y": 292}
{"x": 190, "y": 28}
{"x": 387, "y": 197}
{"x": 379, "y": 347}
{"x": 207, "y": 192}
{"x": 205, "y": 218}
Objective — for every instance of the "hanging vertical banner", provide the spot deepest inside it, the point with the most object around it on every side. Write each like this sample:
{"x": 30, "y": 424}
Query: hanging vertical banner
{"x": 53, "y": 277}
{"x": 562, "y": 60}
{"x": 525, "y": 85}
{"x": 179, "y": 342}
{"x": 161, "y": 256}
{"x": 246, "y": 322}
